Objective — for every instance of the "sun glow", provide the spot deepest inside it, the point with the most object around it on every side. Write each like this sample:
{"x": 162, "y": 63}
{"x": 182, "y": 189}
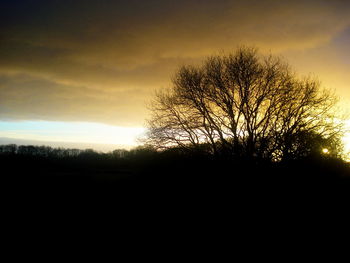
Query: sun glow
{"x": 325, "y": 151}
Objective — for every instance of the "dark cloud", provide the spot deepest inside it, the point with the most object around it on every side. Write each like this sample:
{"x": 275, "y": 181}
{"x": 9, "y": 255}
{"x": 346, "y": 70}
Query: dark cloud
{"x": 101, "y": 60}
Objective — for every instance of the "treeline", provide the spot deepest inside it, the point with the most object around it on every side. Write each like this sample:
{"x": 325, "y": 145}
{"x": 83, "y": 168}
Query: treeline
{"x": 143, "y": 155}
{"x": 61, "y": 153}
{"x": 170, "y": 164}
{"x": 30, "y": 159}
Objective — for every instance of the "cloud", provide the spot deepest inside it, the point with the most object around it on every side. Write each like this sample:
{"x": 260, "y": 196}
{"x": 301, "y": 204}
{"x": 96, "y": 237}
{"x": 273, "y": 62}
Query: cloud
{"x": 26, "y": 98}
{"x": 101, "y": 60}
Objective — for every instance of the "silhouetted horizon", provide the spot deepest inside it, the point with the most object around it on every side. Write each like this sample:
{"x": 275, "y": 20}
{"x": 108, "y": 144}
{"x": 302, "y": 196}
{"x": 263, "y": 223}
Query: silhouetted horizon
{"x": 62, "y": 144}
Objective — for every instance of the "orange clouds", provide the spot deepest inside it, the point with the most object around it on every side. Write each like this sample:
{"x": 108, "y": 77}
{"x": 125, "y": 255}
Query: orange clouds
{"x": 102, "y": 61}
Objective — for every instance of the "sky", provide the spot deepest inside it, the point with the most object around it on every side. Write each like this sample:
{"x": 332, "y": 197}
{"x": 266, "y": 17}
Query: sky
{"x": 68, "y": 67}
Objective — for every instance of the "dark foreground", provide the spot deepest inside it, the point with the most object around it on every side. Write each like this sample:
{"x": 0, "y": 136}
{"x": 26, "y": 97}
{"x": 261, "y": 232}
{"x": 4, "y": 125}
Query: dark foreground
{"x": 162, "y": 179}
{"x": 177, "y": 197}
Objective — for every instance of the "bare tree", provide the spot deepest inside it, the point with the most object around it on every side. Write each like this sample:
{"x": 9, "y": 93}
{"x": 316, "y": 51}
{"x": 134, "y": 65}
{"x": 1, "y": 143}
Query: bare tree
{"x": 241, "y": 104}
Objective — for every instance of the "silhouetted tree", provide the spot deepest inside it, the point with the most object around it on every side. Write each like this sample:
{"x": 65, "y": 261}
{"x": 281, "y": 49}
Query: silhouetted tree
{"x": 119, "y": 153}
{"x": 8, "y": 149}
{"x": 242, "y": 104}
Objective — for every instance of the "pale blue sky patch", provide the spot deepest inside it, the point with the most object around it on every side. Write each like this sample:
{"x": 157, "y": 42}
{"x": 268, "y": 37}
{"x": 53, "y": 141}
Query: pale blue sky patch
{"x": 78, "y": 132}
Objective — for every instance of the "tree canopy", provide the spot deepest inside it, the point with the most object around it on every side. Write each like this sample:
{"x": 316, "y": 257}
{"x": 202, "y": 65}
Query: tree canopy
{"x": 245, "y": 105}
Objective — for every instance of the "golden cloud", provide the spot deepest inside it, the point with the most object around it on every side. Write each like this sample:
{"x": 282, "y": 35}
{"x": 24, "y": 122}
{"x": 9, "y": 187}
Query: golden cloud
{"x": 101, "y": 61}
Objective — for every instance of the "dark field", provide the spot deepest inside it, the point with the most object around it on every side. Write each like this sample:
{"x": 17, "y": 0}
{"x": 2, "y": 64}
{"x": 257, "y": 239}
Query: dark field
{"x": 176, "y": 195}
{"x": 159, "y": 176}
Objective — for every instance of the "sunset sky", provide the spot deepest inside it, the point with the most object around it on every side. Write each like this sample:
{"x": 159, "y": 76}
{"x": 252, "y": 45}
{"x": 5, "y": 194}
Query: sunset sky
{"x": 84, "y": 71}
